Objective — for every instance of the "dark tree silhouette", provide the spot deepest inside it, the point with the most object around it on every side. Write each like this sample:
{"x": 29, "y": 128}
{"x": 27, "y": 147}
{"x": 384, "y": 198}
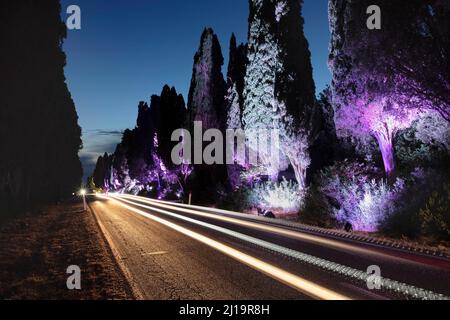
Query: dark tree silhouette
{"x": 102, "y": 171}
{"x": 144, "y": 154}
{"x": 172, "y": 116}
{"x": 325, "y": 149}
{"x": 234, "y": 100}
{"x": 206, "y": 103}
{"x": 237, "y": 66}
{"x": 39, "y": 135}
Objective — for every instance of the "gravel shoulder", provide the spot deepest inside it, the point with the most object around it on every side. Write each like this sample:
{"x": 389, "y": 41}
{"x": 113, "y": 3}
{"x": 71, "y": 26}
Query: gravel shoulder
{"x": 37, "y": 249}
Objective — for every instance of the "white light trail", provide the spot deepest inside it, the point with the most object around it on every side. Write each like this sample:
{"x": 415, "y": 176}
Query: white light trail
{"x": 263, "y": 227}
{"x": 307, "y": 287}
{"x": 405, "y": 289}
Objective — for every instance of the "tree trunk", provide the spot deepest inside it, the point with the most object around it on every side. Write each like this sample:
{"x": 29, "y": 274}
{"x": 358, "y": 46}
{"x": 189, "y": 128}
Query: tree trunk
{"x": 300, "y": 174}
{"x": 385, "y": 142}
{"x": 273, "y": 176}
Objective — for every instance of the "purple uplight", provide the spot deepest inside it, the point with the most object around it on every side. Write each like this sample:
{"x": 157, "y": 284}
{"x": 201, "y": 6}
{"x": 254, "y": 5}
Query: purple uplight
{"x": 380, "y": 117}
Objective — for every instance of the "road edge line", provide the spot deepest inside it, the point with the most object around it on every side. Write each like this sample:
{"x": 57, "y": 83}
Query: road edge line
{"x": 134, "y": 286}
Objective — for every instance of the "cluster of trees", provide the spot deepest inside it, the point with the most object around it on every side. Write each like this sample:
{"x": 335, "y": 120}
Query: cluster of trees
{"x": 142, "y": 161}
{"x": 39, "y": 135}
{"x": 390, "y": 91}
{"x": 387, "y": 91}
{"x": 269, "y": 85}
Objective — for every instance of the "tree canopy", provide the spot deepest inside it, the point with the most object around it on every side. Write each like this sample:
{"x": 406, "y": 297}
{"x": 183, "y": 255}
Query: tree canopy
{"x": 39, "y": 134}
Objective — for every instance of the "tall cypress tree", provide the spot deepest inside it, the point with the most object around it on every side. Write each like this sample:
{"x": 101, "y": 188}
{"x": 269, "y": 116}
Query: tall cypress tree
{"x": 39, "y": 135}
{"x": 207, "y": 90}
{"x": 206, "y": 103}
{"x": 237, "y": 65}
{"x": 279, "y": 87}
{"x": 172, "y": 117}
{"x": 234, "y": 99}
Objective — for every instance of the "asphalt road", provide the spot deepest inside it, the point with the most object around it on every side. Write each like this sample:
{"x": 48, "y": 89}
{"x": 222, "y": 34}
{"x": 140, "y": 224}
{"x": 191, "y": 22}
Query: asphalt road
{"x": 172, "y": 252}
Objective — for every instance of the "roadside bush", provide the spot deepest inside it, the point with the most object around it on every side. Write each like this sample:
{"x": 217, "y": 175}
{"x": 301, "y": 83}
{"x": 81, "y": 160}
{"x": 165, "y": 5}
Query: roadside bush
{"x": 239, "y": 200}
{"x": 317, "y": 210}
{"x": 423, "y": 209}
{"x": 435, "y": 216}
{"x": 357, "y": 195}
{"x": 425, "y": 144}
{"x": 285, "y": 196}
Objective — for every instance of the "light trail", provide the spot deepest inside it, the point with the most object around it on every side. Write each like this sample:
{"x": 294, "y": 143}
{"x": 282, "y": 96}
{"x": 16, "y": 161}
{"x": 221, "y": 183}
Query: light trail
{"x": 266, "y": 228}
{"x": 388, "y": 284}
{"x": 377, "y": 249}
{"x": 307, "y": 287}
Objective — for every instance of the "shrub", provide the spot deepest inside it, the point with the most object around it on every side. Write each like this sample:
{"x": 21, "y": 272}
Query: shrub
{"x": 411, "y": 152}
{"x": 405, "y": 222}
{"x": 317, "y": 210}
{"x": 422, "y": 210}
{"x": 239, "y": 200}
{"x": 426, "y": 143}
{"x": 285, "y": 196}
{"x": 435, "y": 216}
{"x": 358, "y": 196}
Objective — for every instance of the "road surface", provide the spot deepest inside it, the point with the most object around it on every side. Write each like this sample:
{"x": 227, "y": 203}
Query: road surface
{"x": 170, "y": 251}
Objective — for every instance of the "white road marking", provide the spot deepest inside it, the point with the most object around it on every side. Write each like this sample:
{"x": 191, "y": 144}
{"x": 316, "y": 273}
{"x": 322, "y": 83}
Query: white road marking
{"x": 158, "y": 253}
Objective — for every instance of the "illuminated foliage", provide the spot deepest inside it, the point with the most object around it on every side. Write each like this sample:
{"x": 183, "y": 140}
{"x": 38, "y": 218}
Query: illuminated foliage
{"x": 370, "y": 93}
{"x": 358, "y": 196}
{"x": 283, "y": 197}
{"x": 433, "y": 130}
{"x": 435, "y": 216}
{"x": 279, "y": 89}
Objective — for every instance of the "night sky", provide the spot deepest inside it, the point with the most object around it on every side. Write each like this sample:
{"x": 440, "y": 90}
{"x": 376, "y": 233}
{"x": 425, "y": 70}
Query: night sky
{"x": 127, "y": 50}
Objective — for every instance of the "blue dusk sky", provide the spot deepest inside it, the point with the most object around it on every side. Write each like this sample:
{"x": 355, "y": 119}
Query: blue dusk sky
{"x": 128, "y": 50}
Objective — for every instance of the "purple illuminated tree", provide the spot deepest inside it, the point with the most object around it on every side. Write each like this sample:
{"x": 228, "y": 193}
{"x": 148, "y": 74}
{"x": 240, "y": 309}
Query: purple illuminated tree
{"x": 424, "y": 68}
{"x": 381, "y": 118}
{"x": 368, "y": 96}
